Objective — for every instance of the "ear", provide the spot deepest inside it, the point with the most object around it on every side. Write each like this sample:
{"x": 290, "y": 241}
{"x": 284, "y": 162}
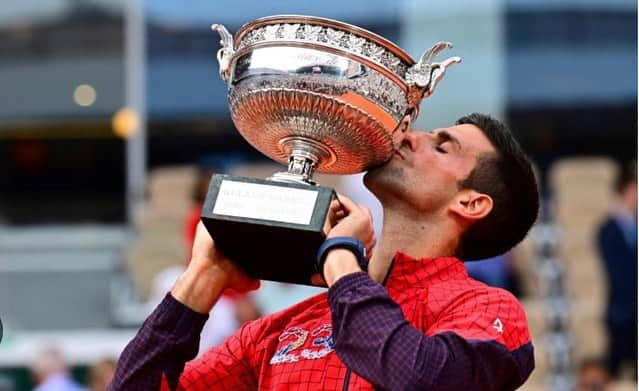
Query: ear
{"x": 470, "y": 205}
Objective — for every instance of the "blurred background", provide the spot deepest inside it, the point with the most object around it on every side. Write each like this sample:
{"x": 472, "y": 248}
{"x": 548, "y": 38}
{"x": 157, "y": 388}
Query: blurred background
{"x": 113, "y": 117}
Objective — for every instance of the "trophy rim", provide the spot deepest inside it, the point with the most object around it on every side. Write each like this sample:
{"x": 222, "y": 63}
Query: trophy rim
{"x": 400, "y": 81}
{"x": 293, "y": 18}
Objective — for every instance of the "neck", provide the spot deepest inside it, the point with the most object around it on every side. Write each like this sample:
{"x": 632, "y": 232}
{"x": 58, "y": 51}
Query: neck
{"x": 626, "y": 205}
{"x": 426, "y": 236}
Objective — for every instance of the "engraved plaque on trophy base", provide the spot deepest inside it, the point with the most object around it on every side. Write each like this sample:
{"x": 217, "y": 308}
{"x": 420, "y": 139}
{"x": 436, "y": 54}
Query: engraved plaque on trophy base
{"x": 272, "y": 230}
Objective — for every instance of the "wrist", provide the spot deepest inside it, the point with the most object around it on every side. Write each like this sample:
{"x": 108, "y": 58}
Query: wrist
{"x": 206, "y": 267}
{"x": 350, "y": 244}
{"x": 339, "y": 262}
{"x": 200, "y": 286}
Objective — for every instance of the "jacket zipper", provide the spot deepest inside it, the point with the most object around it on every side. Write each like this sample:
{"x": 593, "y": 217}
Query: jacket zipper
{"x": 347, "y": 377}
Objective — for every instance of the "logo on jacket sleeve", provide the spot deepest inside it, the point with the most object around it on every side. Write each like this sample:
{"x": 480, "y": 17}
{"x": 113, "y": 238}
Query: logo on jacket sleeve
{"x": 295, "y": 337}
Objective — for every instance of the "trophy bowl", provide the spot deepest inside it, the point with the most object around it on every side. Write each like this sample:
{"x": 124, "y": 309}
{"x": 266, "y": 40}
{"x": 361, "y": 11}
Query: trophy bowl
{"x": 334, "y": 96}
{"x": 317, "y": 95}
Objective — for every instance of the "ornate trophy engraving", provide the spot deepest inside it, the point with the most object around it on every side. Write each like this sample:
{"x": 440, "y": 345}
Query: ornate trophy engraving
{"x": 317, "y": 95}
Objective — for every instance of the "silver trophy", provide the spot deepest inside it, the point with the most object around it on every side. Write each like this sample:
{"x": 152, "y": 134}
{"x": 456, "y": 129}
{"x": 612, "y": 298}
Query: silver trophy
{"x": 320, "y": 96}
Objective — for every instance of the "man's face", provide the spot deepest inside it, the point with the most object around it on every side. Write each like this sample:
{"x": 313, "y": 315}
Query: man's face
{"x": 426, "y": 169}
{"x": 629, "y": 196}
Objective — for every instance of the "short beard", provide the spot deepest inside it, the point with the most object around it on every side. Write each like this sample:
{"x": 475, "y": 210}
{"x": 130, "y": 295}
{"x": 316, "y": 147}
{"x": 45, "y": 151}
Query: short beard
{"x": 384, "y": 180}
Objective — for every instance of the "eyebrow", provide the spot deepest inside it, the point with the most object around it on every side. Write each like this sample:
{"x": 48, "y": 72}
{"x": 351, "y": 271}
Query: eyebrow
{"x": 443, "y": 136}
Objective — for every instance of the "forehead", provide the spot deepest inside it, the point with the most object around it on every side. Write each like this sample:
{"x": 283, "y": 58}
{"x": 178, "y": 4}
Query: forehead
{"x": 471, "y": 138}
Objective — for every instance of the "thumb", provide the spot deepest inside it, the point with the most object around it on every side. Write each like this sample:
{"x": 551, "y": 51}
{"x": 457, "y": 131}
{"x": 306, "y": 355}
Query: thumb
{"x": 347, "y": 203}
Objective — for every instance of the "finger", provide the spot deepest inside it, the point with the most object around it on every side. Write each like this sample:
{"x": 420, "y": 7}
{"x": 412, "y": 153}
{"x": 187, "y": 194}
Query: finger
{"x": 373, "y": 242}
{"x": 335, "y": 216}
{"x": 370, "y": 245}
{"x": 201, "y": 231}
{"x": 347, "y": 203}
{"x": 368, "y": 211}
{"x": 247, "y": 284}
{"x": 366, "y": 214}
{"x": 203, "y": 242}
{"x": 335, "y": 205}
{"x": 317, "y": 280}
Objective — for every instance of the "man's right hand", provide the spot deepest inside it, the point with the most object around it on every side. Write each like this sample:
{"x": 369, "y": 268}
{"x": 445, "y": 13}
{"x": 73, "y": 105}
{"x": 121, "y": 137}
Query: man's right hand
{"x": 209, "y": 273}
{"x": 206, "y": 255}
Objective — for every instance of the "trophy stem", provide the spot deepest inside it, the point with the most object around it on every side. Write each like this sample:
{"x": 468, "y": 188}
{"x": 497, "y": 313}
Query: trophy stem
{"x": 304, "y": 166}
{"x": 305, "y": 155}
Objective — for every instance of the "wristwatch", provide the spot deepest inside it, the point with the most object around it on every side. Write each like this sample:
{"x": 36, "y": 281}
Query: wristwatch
{"x": 345, "y": 242}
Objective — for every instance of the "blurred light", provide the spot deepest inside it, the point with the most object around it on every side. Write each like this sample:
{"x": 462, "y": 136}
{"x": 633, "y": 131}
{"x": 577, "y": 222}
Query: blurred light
{"x": 125, "y": 122}
{"x": 84, "y": 95}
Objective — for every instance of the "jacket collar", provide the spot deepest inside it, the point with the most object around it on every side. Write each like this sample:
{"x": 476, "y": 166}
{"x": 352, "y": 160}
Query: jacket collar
{"x": 408, "y": 272}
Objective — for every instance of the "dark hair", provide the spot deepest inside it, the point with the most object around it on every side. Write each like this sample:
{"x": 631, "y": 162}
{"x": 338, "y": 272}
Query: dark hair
{"x": 508, "y": 178}
{"x": 626, "y": 175}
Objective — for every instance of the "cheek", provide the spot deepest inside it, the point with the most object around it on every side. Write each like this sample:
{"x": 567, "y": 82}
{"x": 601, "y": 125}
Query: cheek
{"x": 441, "y": 171}
{"x": 454, "y": 170}
{"x": 437, "y": 186}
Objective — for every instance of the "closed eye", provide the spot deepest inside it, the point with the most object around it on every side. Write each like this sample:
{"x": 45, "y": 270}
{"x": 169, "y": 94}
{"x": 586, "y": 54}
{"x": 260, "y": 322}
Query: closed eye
{"x": 444, "y": 137}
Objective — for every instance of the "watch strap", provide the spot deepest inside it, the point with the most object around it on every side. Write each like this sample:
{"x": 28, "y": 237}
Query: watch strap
{"x": 345, "y": 242}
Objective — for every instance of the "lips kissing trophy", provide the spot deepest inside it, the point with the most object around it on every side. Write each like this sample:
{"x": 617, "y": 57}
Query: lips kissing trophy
{"x": 318, "y": 95}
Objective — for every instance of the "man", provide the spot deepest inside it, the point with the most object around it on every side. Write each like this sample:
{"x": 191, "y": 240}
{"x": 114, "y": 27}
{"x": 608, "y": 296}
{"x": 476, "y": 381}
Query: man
{"x": 51, "y": 373}
{"x": 592, "y": 376}
{"x": 414, "y": 320}
{"x": 617, "y": 240}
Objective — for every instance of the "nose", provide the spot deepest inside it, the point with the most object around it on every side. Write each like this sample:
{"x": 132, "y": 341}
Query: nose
{"x": 411, "y": 139}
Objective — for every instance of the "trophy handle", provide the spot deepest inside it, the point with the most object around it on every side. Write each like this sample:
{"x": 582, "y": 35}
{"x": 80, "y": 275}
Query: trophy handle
{"x": 225, "y": 53}
{"x": 423, "y": 77}
{"x": 439, "y": 69}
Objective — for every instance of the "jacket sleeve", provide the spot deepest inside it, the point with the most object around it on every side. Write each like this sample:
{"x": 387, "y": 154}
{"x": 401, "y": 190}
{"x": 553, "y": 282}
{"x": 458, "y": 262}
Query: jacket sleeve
{"x": 465, "y": 349}
{"x": 227, "y": 366}
{"x": 613, "y": 250}
{"x": 156, "y": 357}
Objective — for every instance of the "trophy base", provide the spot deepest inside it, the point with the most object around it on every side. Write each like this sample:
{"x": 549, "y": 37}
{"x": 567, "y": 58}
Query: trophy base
{"x": 272, "y": 230}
